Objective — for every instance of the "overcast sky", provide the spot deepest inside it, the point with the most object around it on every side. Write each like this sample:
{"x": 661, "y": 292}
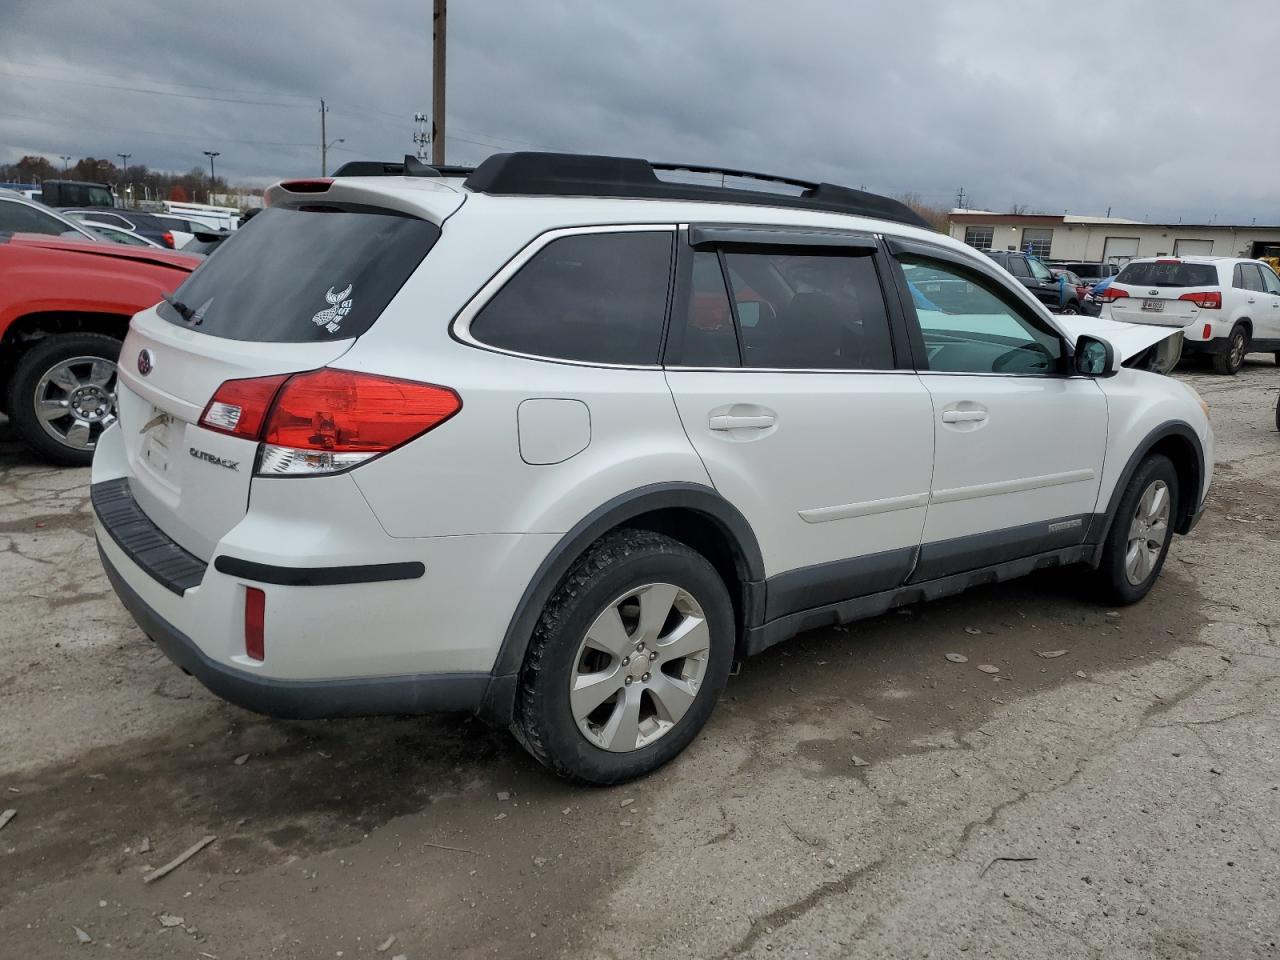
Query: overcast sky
{"x": 1160, "y": 110}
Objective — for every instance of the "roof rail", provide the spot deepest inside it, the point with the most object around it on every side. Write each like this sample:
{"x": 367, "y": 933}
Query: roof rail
{"x": 586, "y": 175}
{"x": 411, "y": 166}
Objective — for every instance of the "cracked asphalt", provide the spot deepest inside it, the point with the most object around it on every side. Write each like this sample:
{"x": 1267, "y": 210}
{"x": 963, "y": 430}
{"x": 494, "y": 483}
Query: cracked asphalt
{"x": 856, "y": 794}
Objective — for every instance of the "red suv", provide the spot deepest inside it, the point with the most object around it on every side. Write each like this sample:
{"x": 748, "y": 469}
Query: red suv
{"x": 64, "y": 309}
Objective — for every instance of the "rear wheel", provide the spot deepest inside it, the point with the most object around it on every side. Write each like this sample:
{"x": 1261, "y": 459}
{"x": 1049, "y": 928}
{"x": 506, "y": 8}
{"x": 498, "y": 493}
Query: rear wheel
{"x": 627, "y": 661}
{"x": 63, "y": 395}
{"x": 1138, "y": 541}
{"x": 1229, "y": 362}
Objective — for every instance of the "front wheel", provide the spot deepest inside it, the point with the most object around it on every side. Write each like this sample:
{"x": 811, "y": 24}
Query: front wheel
{"x": 1071, "y": 309}
{"x": 1230, "y": 362}
{"x": 63, "y": 395}
{"x": 627, "y": 661}
{"x": 1141, "y": 532}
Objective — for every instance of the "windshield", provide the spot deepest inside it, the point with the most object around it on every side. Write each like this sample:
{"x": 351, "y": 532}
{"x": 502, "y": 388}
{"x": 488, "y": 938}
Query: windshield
{"x": 302, "y": 276}
{"x": 1170, "y": 274}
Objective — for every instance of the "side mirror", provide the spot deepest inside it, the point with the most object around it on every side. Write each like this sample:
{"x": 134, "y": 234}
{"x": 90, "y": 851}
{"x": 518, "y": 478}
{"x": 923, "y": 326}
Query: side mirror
{"x": 1094, "y": 357}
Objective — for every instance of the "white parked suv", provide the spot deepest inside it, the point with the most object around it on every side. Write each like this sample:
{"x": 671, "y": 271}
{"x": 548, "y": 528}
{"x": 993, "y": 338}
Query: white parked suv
{"x": 1226, "y": 307}
{"x": 558, "y": 442}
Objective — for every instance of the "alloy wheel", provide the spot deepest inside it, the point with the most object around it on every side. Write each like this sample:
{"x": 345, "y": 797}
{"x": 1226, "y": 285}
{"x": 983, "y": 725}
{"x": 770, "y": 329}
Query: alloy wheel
{"x": 75, "y": 400}
{"x": 1237, "y": 349}
{"x": 639, "y": 667}
{"x": 1148, "y": 531}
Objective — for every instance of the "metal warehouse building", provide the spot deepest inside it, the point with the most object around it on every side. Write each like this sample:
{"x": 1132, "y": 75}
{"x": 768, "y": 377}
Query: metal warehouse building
{"x": 1102, "y": 239}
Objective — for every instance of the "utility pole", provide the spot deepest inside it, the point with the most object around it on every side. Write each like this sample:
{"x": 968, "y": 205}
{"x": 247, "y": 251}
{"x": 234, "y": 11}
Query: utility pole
{"x": 437, "y": 82}
{"x": 324, "y": 143}
{"x": 960, "y": 198}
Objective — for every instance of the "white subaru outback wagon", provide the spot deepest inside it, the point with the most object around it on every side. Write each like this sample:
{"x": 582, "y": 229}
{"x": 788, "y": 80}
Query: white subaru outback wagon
{"x": 557, "y": 440}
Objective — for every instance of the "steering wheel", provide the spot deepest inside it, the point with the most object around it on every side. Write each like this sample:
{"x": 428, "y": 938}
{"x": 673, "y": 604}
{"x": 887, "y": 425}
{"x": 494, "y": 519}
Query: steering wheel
{"x": 1030, "y": 357}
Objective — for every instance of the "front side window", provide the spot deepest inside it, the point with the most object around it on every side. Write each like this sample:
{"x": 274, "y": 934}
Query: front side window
{"x": 1039, "y": 270}
{"x": 592, "y": 297}
{"x": 970, "y": 327}
{"x": 1269, "y": 279}
{"x": 979, "y": 237}
{"x": 806, "y": 311}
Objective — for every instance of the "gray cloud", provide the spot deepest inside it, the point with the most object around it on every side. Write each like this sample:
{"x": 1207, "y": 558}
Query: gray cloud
{"x": 1082, "y": 107}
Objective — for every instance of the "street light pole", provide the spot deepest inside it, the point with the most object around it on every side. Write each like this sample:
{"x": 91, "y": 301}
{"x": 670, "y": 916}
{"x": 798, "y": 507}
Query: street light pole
{"x": 66, "y": 159}
{"x": 124, "y": 161}
{"x": 211, "y": 154}
{"x": 438, "y": 34}
{"x": 325, "y": 153}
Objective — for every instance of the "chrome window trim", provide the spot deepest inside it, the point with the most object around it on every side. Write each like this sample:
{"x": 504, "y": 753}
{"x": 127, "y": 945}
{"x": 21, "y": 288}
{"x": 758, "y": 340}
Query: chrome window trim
{"x": 461, "y": 326}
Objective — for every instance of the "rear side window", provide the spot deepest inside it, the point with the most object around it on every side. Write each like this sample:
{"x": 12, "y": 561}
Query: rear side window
{"x": 302, "y": 276}
{"x": 1018, "y": 267}
{"x": 1155, "y": 274}
{"x": 1248, "y": 277}
{"x": 593, "y": 297}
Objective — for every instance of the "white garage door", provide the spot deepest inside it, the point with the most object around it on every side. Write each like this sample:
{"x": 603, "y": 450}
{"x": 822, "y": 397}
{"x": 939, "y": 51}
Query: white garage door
{"x": 1192, "y": 248}
{"x": 1119, "y": 249}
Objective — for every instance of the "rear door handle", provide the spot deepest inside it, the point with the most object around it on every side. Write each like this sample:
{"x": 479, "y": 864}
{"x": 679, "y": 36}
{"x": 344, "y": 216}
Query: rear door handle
{"x": 963, "y": 416}
{"x": 729, "y": 422}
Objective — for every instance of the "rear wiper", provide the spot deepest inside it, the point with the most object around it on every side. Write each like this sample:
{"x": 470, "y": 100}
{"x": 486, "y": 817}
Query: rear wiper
{"x": 185, "y": 312}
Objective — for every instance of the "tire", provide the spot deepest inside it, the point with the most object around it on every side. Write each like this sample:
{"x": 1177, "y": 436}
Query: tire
{"x": 1276, "y": 357}
{"x": 1071, "y": 309}
{"x": 1230, "y": 362}
{"x": 1278, "y": 413}
{"x": 90, "y": 359}
{"x": 595, "y": 745}
{"x": 1115, "y": 572}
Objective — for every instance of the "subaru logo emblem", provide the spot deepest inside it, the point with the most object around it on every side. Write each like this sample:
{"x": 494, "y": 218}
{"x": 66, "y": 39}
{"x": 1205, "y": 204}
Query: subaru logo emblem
{"x": 145, "y": 362}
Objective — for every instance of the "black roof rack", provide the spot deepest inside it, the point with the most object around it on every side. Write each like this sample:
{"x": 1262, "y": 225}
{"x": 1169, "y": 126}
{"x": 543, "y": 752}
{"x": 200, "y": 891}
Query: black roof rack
{"x": 411, "y": 166}
{"x": 585, "y": 175}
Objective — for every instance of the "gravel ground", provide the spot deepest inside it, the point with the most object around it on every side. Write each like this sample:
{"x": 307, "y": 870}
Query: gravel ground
{"x": 856, "y": 794}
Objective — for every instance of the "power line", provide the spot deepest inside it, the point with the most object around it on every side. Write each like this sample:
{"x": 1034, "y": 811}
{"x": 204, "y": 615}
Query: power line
{"x": 169, "y": 83}
{"x": 169, "y": 135}
{"x": 157, "y": 93}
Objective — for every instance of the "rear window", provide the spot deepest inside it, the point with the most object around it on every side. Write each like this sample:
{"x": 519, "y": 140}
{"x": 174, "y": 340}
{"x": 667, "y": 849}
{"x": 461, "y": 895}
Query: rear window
{"x": 302, "y": 276}
{"x": 1169, "y": 275}
{"x": 595, "y": 297}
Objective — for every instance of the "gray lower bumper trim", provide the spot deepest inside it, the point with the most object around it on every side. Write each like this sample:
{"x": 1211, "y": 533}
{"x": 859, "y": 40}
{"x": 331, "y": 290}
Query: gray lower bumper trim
{"x": 303, "y": 699}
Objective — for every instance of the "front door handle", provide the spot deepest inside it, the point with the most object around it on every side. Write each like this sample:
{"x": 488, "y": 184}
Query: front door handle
{"x": 729, "y": 422}
{"x": 963, "y": 416}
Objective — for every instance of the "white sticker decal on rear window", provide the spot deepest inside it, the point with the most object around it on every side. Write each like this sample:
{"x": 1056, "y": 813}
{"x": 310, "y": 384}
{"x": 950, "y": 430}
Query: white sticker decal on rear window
{"x": 331, "y": 318}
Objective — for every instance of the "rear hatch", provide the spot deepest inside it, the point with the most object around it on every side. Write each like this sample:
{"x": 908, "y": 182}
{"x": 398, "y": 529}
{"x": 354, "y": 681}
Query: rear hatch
{"x": 289, "y": 292}
{"x": 1165, "y": 293}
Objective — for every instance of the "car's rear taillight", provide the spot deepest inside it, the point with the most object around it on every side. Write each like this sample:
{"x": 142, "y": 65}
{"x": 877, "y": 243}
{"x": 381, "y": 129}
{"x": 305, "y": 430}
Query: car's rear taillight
{"x": 1112, "y": 293}
{"x": 239, "y": 407}
{"x": 326, "y": 421}
{"x": 1209, "y": 300}
{"x": 168, "y": 240}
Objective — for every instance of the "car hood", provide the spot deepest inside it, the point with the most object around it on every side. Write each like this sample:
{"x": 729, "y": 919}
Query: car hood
{"x": 105, "y": 248}
{"x": 1127, "y": 339}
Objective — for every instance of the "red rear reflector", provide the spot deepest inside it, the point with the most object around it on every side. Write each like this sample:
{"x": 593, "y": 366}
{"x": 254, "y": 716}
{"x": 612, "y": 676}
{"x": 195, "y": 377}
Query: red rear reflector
{"x": 1210, "y": 300}
{"x": 1111, "y": 293}
{"x": 240, "y": 406}
{"x": 255, "y": 614}
{"x": 343, "y": 411}
{"x": 168, "y": 239}
{"x": 317, "y": 185}
{"x": 1208, "y": 331}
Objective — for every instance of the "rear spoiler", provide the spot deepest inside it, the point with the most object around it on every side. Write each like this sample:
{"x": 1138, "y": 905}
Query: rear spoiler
{"x": 411, "y": 166}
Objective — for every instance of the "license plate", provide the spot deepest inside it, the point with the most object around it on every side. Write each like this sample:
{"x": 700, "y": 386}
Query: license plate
{"x": 1154, "y": 306}
{"x": 155, "y": 443}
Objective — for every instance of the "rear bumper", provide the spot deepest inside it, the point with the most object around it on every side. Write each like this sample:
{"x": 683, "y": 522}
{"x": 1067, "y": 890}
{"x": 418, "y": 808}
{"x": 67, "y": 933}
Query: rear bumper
{"x": 1211, "y": 347}
{"x": 301, "y": 699}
